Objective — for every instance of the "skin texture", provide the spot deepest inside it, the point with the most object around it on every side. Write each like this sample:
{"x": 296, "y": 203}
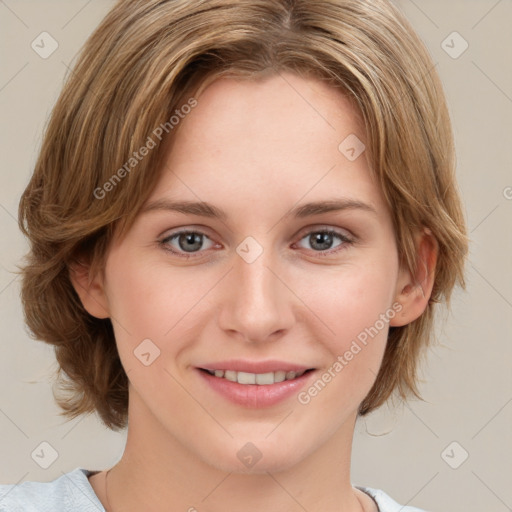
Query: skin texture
{"x": 255, "y": 149}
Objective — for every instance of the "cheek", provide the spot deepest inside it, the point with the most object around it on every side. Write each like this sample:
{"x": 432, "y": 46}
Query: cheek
{"x": 151, "y": 300}
{"x": 354, "y": 304}
{"x": 351, "y": 298}
{"x": 140, "y": 291}
{"x": 147, "y": 300}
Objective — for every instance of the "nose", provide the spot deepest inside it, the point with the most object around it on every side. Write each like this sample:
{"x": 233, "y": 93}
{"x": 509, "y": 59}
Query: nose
{"x": 256, "y": 305}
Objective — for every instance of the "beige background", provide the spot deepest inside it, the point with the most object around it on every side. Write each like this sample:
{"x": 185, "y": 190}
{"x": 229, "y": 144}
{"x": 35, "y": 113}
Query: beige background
{"x": 467, "y": 382}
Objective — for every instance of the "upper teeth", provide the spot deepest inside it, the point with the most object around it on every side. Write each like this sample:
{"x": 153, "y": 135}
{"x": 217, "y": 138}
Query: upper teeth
{"x": 255, "y": 378}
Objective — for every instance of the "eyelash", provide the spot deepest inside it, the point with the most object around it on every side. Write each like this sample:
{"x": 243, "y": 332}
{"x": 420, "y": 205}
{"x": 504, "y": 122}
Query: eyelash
{"x": 344, "y": 238}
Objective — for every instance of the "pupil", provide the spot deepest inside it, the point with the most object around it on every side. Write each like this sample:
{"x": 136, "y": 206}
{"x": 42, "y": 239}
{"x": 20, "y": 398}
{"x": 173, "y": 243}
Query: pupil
{"x": 322, "y": 240}
{"x": 190, "y": 242}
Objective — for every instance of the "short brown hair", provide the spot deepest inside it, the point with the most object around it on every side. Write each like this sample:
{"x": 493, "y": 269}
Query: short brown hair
{"x": 141, "y": 63}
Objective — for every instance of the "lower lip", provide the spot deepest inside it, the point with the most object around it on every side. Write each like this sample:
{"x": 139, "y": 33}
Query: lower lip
{"x": 254, "y": 395}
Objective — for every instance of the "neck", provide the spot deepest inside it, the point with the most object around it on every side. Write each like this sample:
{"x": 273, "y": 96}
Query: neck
{"x": 157, "y": 471}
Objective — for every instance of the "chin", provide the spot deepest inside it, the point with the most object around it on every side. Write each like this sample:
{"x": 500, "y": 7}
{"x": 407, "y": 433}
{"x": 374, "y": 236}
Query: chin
{"x": 275, "y": 465}
{"x": 247, "y": 458}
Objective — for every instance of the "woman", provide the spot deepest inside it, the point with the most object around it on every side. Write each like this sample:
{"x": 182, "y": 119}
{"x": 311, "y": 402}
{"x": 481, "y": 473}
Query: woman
{"x": 240, "y": 220}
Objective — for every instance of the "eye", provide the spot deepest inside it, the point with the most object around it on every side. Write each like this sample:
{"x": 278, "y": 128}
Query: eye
{"x": 322, "y": 241}
{"x": 185, "y": 243}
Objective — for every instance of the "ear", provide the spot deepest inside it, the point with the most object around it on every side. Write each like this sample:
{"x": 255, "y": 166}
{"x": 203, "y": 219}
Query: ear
{"x": 413, "y": 291}
{"x": 90, "y": 289}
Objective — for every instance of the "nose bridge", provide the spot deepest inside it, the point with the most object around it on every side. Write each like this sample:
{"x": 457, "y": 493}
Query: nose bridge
{"x": 258, "y": 303}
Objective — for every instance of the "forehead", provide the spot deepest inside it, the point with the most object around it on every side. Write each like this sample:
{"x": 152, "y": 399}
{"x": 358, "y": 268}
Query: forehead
{"x": 305, "y": 106}
{"x": 253, "y": 143}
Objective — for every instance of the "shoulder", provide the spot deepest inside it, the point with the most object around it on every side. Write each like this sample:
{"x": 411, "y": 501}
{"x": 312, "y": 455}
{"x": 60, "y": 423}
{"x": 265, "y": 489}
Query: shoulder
{"x": 385, "y": 502}
{"x": 70, "y": 492}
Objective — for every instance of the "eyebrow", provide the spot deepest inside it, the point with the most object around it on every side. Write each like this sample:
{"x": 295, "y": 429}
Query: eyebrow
{"x": 204, "y": 209}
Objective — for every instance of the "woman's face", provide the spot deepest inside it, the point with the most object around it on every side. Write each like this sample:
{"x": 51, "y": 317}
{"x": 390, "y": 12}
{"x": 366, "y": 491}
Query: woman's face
{"x": 267, "y": 284}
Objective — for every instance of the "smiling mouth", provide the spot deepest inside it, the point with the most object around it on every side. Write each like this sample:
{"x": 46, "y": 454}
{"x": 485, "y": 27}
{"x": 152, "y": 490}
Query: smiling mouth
{"x": 262, "y": 379}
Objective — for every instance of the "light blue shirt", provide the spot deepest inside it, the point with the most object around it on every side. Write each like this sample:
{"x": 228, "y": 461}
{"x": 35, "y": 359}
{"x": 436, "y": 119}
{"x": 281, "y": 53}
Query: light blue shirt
{"x": 72, "y": 492}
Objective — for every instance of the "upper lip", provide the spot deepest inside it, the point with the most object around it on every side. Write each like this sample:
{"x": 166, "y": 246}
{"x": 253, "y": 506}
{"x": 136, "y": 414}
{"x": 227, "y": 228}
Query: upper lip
{"x": 239, "y": 365}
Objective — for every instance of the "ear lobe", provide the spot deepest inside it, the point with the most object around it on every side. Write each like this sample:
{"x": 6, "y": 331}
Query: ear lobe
{"x": 90, "y": 289}
{"x": 413, "y": 292}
